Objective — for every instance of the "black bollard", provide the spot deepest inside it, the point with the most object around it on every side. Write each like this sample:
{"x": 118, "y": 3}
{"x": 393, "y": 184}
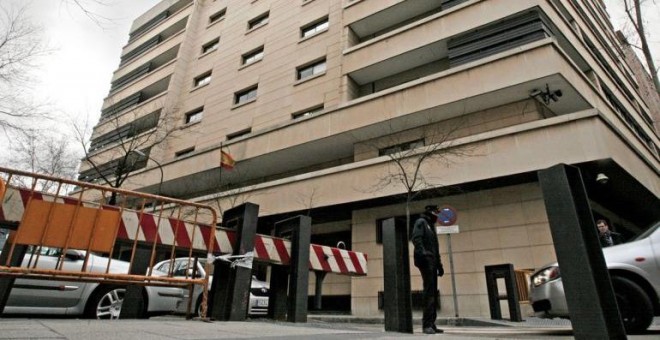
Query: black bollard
{"x": 318, "y": 289}
{"x": 506, "y": 272}
{"x": 397, "y": 303}
{"x": 587, "y": 286}
{"x": 289, "y": 301}
{"x": 134, "y": 306}
{"x": 7, "y": 283}
{"x": 229, "y": 295}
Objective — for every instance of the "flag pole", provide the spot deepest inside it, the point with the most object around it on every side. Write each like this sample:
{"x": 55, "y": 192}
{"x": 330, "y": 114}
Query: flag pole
{"x": 220, "y": 179}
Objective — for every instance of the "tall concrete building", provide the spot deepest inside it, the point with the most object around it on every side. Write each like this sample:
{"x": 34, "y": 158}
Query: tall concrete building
{"x": 325, "y": 105}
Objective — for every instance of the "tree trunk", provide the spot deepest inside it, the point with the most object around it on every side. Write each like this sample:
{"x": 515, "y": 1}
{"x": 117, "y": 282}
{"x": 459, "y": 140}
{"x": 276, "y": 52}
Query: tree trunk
{"x": 645, "y": 46}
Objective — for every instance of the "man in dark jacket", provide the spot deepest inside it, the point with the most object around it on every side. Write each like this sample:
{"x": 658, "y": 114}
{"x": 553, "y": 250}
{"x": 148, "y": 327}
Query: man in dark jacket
{"x": 427, "y": 259}
{"x": 605, "y": 235}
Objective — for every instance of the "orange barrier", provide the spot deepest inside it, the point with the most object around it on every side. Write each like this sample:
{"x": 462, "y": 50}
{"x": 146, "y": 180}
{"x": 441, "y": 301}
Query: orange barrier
{"x": 2, "y": 189}
{"x": 42, "y": 215}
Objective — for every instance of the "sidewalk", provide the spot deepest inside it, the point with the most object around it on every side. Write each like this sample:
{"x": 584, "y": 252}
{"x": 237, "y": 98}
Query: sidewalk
{"x": 174, "y": 327}
{"x": 528, "y": 322}
{"x": 461, "y": 321}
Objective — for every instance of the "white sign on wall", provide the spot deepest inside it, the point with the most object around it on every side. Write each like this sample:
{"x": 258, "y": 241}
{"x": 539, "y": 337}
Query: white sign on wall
{"x": 450, "y": 229}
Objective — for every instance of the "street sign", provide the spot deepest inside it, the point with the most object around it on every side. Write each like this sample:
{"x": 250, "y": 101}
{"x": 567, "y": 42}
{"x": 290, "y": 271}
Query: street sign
{"x": 447, "y": 216}
{"x": 450, "y": 229}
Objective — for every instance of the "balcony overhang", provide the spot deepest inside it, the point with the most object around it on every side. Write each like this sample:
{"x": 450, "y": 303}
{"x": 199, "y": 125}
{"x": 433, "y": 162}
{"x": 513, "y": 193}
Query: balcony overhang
{"x": 390, "y": 16}
{"x": 427, "y": 38}
{"x": 512, "y": 151}
{"x": 330, "y": 136}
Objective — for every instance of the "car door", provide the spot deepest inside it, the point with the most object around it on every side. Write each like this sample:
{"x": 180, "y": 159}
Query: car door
{"x": 180, "y": 267}
{"x": 50, "y": 296}
{"x": 183, "y": 266}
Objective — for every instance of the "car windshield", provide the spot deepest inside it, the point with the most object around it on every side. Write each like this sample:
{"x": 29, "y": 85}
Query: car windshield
{"x": 648, "y": 231}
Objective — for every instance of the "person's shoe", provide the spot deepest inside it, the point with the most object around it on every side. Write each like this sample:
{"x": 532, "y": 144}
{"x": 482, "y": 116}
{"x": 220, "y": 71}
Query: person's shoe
{"x": 437, "y": 330}
{"x": 428, "y": 330}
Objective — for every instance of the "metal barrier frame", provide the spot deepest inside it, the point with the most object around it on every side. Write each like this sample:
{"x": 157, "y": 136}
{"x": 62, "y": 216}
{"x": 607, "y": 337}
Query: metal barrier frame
{"x": 32, "y": 216}
{"x": 138, "y": 227}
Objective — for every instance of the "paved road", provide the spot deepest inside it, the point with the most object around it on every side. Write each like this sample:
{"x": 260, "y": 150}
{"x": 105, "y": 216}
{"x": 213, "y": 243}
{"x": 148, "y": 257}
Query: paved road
{"x": 178, "y": 328}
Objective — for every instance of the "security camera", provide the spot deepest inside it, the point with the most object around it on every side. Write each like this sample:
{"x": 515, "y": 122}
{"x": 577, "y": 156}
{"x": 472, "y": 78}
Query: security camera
{"x": 602, "y": 178}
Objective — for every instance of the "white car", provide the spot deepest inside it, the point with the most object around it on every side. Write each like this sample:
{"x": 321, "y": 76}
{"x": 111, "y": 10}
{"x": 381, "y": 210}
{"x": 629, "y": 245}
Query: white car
{"x": 634, "y": 268}
{"x": 90, "y": 299}
{"x": 259, "y": 290}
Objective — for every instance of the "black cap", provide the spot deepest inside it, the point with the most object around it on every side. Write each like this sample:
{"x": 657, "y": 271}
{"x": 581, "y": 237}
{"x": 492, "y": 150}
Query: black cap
{"x": 431, "y": 207}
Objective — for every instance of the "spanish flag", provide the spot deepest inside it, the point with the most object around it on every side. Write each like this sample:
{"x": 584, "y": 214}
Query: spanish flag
{"x": 226, "y": 161}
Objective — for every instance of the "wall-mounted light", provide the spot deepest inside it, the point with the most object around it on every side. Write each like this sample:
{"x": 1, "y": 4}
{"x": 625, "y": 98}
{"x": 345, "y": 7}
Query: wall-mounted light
{"x": 602, "y": 178}
{"x": 547, "y": 95}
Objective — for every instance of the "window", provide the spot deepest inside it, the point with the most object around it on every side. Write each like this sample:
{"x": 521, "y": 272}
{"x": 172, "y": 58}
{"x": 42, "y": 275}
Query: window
{"x": 184, "y": 152}
{"x": 311, "y": 69}
{"x": 258, "y": 21}
{"x": 211, "y": 46}
{"x": 314, "y": 28}
{"x": 217, "y": 16}
{"x": 194, "y": 115}
{"x": 239, "y": 133}
{"x": 253, "y": 56}
{"x": 245, "y": 95}
{"x": 401, "y": 147}
{"x": 308, "y": 112}
{"x": 203, "y": 79}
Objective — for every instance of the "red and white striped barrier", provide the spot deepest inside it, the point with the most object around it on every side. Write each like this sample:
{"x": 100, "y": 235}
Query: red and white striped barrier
{"x": 152, "y": 228}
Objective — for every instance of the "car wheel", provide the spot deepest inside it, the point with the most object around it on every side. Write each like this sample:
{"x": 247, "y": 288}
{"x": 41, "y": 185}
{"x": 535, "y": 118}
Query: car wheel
{"x": 105, "y": 303}
{"x": 635, "y": 307}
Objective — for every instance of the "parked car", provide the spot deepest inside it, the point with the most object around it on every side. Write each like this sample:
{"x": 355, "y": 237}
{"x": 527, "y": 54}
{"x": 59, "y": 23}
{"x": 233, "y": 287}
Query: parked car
{"x": 4, "y": 233}
{"x": 259, "y": 290}
{"x": 634, "y": 268}
{"x": 90, "y": 299}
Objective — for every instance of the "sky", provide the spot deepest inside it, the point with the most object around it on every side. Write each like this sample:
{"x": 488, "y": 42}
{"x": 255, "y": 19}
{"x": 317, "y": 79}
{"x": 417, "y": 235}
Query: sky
{"x": 75, "y": 77}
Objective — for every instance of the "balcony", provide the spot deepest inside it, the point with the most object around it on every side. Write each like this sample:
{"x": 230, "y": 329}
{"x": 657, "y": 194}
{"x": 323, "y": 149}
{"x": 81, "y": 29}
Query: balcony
{"x": 125, "y": 132}
{"x": 154, "y": 41}
{"x": 115, "y": 108}
{"x": 145, "y": 69}
{"x": 156, "y": 20}
{"x": 450, "y": 52}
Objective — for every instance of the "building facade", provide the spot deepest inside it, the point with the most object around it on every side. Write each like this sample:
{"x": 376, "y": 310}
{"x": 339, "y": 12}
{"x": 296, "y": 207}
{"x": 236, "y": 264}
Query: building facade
{"x": 329, "y": 106}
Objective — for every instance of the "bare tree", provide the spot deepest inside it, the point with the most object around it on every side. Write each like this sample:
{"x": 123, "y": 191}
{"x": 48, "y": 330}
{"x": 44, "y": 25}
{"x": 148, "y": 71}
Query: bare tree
{"x": 84, "y": 7}
{"x": 20, "y": 47}
{"x": 634, "y": 11}
{"x": 409, "y": 151}
{"x": 125, "y": 146}
{"x": 46, "y": 155}
{"x": 236, "y": 189}
{"x": 307, "y": 200}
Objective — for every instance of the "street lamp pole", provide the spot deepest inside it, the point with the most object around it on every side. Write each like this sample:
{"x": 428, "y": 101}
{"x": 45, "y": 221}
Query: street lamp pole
{"x": 160, "y": 167}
